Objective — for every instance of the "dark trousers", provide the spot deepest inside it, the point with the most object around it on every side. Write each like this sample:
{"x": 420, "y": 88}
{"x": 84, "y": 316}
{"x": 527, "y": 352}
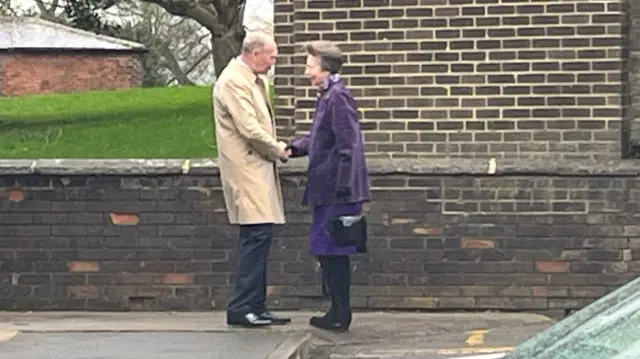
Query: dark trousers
{"x": 250, "y": 280}
{"x": 336, "y": 272}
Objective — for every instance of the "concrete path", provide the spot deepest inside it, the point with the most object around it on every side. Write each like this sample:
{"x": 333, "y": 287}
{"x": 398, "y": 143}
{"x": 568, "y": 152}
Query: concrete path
{"x": 141, "y": 345}
{"x": 428, "y": 336}
{"x": 178, "y": 335}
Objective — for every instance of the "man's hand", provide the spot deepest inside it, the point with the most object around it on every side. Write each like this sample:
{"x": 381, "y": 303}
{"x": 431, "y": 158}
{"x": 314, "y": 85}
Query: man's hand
{"x": 285, "y": 153}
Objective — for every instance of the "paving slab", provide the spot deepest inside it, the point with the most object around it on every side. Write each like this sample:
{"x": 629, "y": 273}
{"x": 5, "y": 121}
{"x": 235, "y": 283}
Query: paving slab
{"x": 429, "y": 336}
{"x": 165, "y": 335}
{"x": 59, "y": 322}
{"x": 172, "y": 345}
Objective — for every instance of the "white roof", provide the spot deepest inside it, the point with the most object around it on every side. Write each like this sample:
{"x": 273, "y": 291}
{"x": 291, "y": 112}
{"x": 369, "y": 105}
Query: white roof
{"x": 34, "y": 33}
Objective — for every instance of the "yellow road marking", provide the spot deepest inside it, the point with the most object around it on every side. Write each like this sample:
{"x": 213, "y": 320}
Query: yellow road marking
{"x": 7, "y": 335}
{"x": 476, "y": 337}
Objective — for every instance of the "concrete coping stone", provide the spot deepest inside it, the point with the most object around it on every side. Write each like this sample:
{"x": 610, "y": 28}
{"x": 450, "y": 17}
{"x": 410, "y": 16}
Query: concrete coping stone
{"x": 377, "y": 166}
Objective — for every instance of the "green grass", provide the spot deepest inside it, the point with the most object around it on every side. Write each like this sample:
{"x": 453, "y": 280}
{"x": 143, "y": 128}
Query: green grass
{"x": 140, "y": 123}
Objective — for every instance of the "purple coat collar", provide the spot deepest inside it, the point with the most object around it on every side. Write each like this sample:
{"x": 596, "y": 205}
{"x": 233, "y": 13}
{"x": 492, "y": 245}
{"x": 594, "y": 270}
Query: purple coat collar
{"x": 328, "y": 83}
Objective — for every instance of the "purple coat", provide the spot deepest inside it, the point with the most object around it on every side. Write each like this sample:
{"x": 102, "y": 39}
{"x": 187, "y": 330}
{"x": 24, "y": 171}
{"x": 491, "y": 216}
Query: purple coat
{"x": 337, "y": 176}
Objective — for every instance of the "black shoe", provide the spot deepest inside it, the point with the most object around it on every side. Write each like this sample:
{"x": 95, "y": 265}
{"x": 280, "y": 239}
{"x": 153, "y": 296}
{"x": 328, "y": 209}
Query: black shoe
{"x": 274, "y": 318}
{"x": 249, "y": 320}
{"x": 328, "y": 323}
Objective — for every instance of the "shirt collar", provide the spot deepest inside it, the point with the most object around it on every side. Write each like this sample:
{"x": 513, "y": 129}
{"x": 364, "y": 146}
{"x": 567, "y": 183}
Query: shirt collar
{"x": 328, "y": 82}
{"x": 241, "y": 61}
{"x": 248, "y": 72}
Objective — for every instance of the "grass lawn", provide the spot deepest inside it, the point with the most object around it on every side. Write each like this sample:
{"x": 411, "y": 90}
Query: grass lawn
{"x": 140, "y": 123}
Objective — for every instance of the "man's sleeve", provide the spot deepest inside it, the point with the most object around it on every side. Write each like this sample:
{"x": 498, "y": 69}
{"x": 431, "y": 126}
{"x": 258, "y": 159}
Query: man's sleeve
{"x": 243, "y": 112}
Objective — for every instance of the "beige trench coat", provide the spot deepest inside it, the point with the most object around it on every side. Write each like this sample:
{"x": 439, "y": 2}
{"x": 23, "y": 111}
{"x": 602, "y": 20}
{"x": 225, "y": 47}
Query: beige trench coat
{"x": 247, "y": 147}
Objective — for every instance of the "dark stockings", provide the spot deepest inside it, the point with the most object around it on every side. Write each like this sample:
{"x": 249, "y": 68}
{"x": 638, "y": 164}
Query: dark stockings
{"x": 336, "y": 272}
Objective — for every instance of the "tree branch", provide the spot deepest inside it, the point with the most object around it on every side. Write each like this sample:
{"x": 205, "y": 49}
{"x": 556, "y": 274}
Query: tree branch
{"x": 191, "y": 9}
{"x": 173, "y": 66}
{"x": 205, "y": 56}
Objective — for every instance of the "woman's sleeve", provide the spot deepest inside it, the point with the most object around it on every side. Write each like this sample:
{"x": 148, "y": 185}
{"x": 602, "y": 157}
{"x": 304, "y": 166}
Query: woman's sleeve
{"x": 300, "y": 146}
{"x": 344, "y": 121}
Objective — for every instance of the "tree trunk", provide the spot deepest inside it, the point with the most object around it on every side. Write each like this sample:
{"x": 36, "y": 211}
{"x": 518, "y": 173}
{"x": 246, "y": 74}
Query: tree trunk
{"x": 224, "y": 48}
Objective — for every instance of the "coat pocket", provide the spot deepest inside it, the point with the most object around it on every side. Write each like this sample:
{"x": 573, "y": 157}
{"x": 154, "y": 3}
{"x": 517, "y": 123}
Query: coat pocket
{"x": 253, "y": 159}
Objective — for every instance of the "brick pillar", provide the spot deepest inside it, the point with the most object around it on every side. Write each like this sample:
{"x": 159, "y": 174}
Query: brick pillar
{"x": 285, "y": 69}
{"x": 631, "y": 129}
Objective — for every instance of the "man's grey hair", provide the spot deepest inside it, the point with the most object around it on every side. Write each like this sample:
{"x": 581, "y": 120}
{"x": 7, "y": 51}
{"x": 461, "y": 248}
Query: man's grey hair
{"x": 331, "y": 58}
{"x": 255, "y": 40}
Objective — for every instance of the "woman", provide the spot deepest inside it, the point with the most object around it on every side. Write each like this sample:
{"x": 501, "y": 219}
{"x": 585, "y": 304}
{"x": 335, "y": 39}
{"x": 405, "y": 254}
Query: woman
{"x": 337, "y": 177}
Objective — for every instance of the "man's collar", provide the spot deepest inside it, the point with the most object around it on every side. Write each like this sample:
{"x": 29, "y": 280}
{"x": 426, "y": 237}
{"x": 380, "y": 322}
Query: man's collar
{"x": 244, "y": 69}
{"x": 239, "y": 58}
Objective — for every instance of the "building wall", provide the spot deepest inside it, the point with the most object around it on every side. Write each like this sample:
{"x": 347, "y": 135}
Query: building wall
{"x": 3, "y": 61}
{"x": 28, "y": 74}
{"x": 118, "y": 234}
{"x": 467, "y": 78}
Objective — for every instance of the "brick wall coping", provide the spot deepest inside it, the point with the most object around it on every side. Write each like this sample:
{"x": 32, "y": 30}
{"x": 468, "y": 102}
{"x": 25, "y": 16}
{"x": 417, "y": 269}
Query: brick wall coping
{"x": 443, "y": 166}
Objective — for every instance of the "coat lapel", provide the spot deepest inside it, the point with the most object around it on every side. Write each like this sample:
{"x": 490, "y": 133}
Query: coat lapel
{"x": 264, "y": 93}
{"x": 259, "y": 93}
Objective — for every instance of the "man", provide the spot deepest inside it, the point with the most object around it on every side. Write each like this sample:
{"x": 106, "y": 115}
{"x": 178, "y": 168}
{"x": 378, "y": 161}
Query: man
{"x": 248, "y": 152}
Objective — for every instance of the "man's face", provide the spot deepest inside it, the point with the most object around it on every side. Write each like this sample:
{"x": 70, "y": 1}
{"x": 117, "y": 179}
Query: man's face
{"x": 314, "y": 71}
{"x": 265, "y": 58}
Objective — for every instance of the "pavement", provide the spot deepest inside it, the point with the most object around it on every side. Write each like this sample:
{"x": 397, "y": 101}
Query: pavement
{"x": 173, "y": 335}
{"x": 140, "y": 345}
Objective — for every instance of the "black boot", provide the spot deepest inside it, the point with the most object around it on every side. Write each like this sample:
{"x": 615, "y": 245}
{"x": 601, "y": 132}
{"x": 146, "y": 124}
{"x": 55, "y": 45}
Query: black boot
{"x": 325, "y": 280}
{"x": 325, "y": 293}
{"x": 338, "y": 274}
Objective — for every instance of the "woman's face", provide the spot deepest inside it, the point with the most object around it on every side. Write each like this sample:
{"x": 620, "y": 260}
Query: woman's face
{"x": 314, "y": 72}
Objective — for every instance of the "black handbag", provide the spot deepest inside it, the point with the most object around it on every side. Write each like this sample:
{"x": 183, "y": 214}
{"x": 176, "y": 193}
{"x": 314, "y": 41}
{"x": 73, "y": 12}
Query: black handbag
{"x": 348, "y": 232}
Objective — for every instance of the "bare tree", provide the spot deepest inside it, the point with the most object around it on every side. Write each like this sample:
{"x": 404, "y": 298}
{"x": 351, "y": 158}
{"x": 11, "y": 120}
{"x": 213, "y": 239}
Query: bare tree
{"x": 222, "y": 18}
{"x": 6, "y": 9}
{"x": 181, "y": 45}
{"x": 52, "y": 10}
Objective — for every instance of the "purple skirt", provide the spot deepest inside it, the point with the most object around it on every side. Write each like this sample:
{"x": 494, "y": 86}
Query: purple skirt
{"x": 321, "y": 242}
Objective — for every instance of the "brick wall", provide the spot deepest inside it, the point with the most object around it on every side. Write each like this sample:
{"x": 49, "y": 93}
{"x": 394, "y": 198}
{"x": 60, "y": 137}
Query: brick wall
{"x": 445, "y": 234}
{"x": 37, "y": 73}
{"x": 467, "y": 78}
{"x": 3, "y": 61}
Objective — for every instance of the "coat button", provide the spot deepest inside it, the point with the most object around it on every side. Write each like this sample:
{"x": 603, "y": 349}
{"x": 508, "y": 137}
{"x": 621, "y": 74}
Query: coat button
{"x": 250, "y": 152}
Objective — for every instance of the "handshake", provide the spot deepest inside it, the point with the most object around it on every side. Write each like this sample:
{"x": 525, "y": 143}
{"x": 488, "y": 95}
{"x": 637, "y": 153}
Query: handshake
{"x": 285, "y": 153}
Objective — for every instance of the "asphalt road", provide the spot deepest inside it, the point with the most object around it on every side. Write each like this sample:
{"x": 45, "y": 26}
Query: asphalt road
{"x": 233, "y": 345}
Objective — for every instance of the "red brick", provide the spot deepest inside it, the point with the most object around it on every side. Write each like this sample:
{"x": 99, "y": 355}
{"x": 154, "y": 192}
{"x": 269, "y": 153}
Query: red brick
{"x": 83, "y": 266}
{"x": 470, "y": 242}
{"x": 427, "y": 230}
{"x": 124, "y": 219}
{"x": 16, "y": 195}
{"x": 552, "y": 266}
{"x": 177, "y": 278}
{"x": 28, "y": 74}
